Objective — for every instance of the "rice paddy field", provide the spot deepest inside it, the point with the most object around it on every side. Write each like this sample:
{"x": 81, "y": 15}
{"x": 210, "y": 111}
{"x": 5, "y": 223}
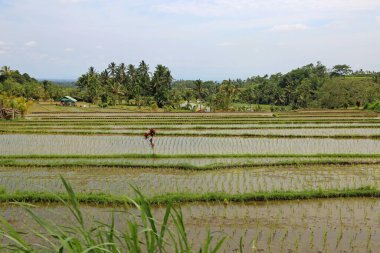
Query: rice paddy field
{"x": 306, "y": 181}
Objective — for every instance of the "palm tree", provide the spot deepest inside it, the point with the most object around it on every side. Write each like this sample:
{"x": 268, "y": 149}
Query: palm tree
{"x": 199, "y": 91}
{"x": 5, "y": 71}
{"x": 187, "y": 95}
{"x": 112, "y": 69}
{"x": 133, "y": 86}
{"x": 117, "y": 90}
{"x": 161, "y": 83}
{"x": 121, "y": 73}
{"x": 90, "y": 83}
{"x": 143, "y": 78}
{"x": 229, "y": 91}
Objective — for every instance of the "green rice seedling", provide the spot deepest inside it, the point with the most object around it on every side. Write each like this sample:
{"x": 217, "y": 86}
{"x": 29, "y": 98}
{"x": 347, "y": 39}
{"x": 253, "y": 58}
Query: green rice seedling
{"x": 296, "y": 244}
{"x": 369, "y": 236}
{"x": 324, "y": 238}
{"x": 144, "y": 233}
{"x": 311, "y": 241}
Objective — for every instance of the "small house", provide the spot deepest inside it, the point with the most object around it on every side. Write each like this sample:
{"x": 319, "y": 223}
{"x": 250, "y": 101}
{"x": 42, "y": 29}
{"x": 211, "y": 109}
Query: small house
{"x": 68, "y": 101}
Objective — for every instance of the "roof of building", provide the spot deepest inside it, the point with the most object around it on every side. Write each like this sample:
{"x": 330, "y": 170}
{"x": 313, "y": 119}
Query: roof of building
{"x": 68, "y": 99}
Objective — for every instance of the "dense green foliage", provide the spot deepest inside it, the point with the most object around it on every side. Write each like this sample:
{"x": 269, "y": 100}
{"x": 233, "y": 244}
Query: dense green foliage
{"x": 373, "y": 106}
{"x": 310, "y": 86}
{"x": 18, "y": 91}
{"x": 15, "y": 84}
{"x": 122, "y": 82}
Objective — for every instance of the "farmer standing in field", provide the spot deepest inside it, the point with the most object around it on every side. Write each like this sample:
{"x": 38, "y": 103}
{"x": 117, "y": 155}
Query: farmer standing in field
{"x": 149, "y": 135}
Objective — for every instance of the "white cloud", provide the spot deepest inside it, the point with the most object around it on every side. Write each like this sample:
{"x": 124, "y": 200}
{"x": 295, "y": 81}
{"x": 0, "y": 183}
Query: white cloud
{"x": 224, "y": 44}
{"x": 212, "y": 39}
{"x": 227, "y": 7}
{"x": 289, "y": 27}
{"x": 71, "y": 1}
{"x": 30, "y": 43}
{"x": 4, "y": 47}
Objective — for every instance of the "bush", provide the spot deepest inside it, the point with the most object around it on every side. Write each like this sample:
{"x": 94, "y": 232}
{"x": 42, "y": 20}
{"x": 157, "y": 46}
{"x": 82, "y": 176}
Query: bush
{"x": 103, "y": 105}
{"x": 373, "y": 106}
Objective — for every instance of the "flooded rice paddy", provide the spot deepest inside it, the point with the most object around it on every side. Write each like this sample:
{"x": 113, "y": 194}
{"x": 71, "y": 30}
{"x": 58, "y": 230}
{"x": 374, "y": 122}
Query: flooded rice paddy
{"x": 22, "y": 144}
{"x": 152, "y": 182}
{"x": 322, "y": 225}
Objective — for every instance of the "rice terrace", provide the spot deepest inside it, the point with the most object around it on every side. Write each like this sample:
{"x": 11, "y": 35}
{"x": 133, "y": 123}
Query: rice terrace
{"x": 303, "y": 181}
{"x": 190, "y": 126}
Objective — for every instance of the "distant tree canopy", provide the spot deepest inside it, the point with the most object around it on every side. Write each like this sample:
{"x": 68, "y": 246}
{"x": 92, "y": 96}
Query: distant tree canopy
{"x": 310, "y": 86}
{"x": 126, "y": 82}
{"x": 15, "y": 84}
{"x": 341, "y": 70}
{"x": 18, "y": 91}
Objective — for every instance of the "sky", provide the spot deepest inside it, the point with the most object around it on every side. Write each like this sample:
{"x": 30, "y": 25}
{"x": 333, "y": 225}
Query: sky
{"x": 209, "y": 39}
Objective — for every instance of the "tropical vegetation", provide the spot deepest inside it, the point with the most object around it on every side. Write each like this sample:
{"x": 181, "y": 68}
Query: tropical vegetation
{"x": 310, "y": 86}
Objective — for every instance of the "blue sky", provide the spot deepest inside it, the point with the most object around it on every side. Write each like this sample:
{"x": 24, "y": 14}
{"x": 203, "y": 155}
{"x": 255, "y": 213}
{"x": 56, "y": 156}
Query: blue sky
{"x": 209, "y": 39}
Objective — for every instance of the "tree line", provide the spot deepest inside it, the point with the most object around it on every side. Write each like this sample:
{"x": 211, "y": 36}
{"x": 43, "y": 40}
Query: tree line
{"x": 118, "y": 83}
{"x": 17, "y": 91}
{"x": 310, "y": 86}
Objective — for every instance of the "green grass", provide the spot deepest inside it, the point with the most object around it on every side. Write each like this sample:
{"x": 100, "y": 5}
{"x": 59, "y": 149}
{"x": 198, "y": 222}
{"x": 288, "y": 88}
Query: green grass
{"x": 184, "y": 197}
{"x": 179, "y": 166}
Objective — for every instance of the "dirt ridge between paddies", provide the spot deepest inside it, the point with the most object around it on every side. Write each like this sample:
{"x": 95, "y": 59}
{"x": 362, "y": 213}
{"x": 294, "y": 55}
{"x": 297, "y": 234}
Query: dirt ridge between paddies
{"x": 175, "y": 128}
{"x": 182, "y": 197}
{"x": 182, "y": 166}
{"x": 183, "y": 122}
{"x": 153, "y": 156}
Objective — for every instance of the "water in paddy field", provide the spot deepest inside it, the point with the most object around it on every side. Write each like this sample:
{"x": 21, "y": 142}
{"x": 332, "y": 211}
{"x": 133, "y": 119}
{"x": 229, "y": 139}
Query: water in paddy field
{"x": 321, "y": 225}
{"x": 330, "y": 225}
{"x": 153, "y": 182}
{"x": 57, "y": 144}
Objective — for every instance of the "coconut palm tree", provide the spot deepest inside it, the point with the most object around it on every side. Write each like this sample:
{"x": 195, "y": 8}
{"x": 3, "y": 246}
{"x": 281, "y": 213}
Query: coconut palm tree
{"x": 90, "y": 82}
{"x": 133, "y": 85}
{"x": 112, "y": 69}
{"x": 229, "y": 91}
{"x": 5, "y": 71}
{"x": 121, "y": 73}
{"x": 143, "y": 78}
{"x": 199, "y": 91}
{"x": 161, "y": 83}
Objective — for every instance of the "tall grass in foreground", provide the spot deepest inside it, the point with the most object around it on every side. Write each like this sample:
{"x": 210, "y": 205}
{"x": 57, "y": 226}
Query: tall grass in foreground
{"x": 144, "y": 233}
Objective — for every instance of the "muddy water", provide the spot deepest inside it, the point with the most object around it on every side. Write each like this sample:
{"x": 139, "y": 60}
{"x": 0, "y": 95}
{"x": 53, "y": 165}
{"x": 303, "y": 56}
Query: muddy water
{"x": 332, "y": 225}
{"x": 161, "y": 181}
